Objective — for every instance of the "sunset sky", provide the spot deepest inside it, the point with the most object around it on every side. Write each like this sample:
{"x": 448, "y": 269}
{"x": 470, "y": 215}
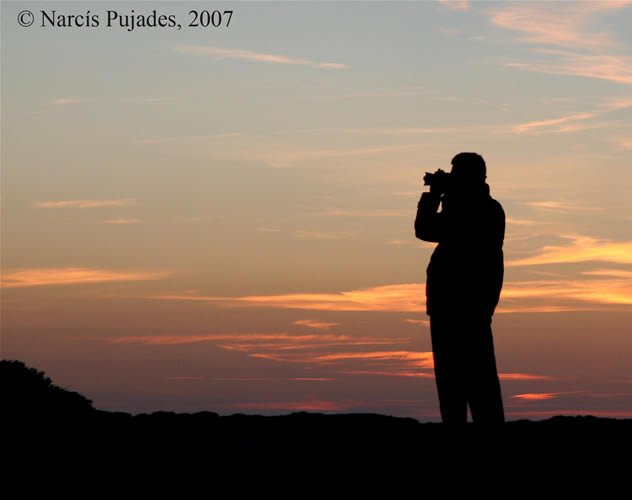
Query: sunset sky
{"x": 222, "y": 218}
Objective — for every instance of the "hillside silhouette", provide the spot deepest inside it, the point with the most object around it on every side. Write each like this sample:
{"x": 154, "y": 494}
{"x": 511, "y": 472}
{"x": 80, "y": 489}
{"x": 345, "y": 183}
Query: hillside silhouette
{"x": 50, "y": 432}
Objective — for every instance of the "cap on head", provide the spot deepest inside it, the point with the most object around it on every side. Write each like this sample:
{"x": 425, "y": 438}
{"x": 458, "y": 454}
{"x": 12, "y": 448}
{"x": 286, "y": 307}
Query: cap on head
{"x": 469, "y": 168}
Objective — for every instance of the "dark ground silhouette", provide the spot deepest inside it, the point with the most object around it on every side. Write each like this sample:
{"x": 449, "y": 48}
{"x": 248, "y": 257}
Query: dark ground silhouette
{"x": 52, "y": 436}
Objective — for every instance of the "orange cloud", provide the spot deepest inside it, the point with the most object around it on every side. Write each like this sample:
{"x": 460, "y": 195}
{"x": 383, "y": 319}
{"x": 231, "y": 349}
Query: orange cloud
{"x": 535, "y": 396}
{"x": 248, "y": 55}
{"x": 311, "y": 349}
{"x": 241, "y": 339}
{"x": 563, "y": 206}
{"x": 404, "y": 297}
{"x": 312, "y": 379}
{"x": 392, "y": 373}
{"x": 581, "y": 249}
{"x": 319, "y": 325}
{"x": 517, "y": 296}
{"x": 520, "y": 222}
{"x": 122, "y": 202}
{"x": 614, "y": 273}
{"x": 418, "y": 359}
{"x": 567, "y": 293}
{"x": 422, "y": 322}
{"x": 71, "y": 276}
{"x": 523, "y": 376}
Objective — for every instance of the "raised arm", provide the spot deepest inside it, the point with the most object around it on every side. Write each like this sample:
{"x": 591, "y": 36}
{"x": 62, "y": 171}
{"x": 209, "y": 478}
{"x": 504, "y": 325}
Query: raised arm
{"x": 428, "y": 222}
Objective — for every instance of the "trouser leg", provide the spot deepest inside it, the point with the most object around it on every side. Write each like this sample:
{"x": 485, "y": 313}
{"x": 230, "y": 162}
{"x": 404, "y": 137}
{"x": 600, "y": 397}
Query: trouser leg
{"x": 448, "y": 366}
{"x": 483, "y": 386}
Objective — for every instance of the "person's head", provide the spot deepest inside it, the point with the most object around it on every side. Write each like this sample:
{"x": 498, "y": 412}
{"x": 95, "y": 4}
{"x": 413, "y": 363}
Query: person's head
{"x": 468, "y": 169}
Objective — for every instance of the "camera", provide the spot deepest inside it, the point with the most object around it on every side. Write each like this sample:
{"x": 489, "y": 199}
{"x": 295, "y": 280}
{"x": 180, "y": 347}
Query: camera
{"x": 439, "y": 180}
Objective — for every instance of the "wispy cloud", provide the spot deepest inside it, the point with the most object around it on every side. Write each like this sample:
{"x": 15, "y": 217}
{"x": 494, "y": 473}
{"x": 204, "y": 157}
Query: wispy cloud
{"x": 574, "y": 122}
{"x": 612, "y": 273}
{"x": 565, "y": 295}
{"x": 535, "y": 296}
{"x": 393, "y": 363}
{"x": 416, "y": 359}
{"x": 421, "y": 322}
{"x": 623, "y": 143}
{"x": 335, "y": 353}
{"x": 611, "y": 68}
{"x": 65, "y": 101}
{"x": 323, "y": 235}
{"x": 392, "y": 372}
{"x": 312, "y": 379}
{"x": 520, "y": 222}
{"x": 551, "y": 125}
{"x": 580, "y": 249}
{"x": 566, "y": 39}
{"x": 523, "y": 376}
{"x": 121, "y": 221}
{"x": 319, "y": 325}
{"x": 535, "y": 396}
{"x": 248, "y": 55}
{"x": 343, "y": 354}
{"x": 121, "y": 202}
{"x": 215, "y": 337}
{"x": 71, "y": 276}
{"x": 398, "y": 243}
{"x": 456, "y": 4}
{"x": 378, "y": 212}
{"x": 400, "y": 297}
{"x": 563, "y": 206}
{"x": 567, "y": 25}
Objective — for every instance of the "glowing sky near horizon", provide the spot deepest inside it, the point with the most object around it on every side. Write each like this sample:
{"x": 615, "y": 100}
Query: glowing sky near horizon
{"x": 223, "y": 219}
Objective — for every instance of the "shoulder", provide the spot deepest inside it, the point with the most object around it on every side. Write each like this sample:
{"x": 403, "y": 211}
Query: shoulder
{"x": 495, "y": 205}
{"x": 496, "y": 208}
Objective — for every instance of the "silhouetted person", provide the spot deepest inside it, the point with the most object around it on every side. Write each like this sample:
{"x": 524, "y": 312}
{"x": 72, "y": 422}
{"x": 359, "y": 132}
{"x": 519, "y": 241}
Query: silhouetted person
{"x": 464, "y": 279}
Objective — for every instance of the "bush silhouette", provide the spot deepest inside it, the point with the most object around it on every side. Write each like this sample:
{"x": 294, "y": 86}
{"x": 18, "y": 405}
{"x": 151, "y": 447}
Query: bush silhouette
{"x": 28, "y": 393}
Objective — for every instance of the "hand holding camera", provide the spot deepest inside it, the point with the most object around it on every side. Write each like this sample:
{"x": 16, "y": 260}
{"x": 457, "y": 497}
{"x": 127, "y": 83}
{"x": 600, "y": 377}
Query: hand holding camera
{"x": 438, "y": 181}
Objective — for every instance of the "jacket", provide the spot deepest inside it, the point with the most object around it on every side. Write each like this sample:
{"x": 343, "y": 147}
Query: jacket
{"x": 465, "y": 273}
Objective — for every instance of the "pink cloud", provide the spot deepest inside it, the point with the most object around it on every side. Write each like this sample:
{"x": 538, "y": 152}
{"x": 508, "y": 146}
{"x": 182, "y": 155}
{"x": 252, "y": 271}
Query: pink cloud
{"x": 249, "y": 55}
{"x": 578, "y": 48}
